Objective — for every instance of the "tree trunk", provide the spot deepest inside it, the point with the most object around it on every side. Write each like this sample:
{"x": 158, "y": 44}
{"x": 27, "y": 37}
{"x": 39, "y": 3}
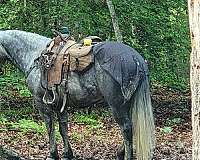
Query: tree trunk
{"x": 118, "y": 34}
{"x": 194, "y": 21}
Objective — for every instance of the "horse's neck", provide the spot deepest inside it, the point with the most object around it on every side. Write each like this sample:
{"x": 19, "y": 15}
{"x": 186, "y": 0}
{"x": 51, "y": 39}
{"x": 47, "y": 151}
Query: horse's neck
{"x": 22, "y": 47}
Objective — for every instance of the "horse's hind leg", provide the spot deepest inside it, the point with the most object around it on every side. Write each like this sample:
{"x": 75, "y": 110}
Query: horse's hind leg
{"x": 63, "y": 129}
{"x": 48, "y": 116}
{"x": 112, "y": 94}
{"x": 121, "y": 113}
{"x": 122, "y": 117}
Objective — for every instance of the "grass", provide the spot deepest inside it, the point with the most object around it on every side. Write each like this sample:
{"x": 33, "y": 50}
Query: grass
{"x": 27, "y": 125}
{"x": 15, "y": 113}
{"x": 91, "y": 120}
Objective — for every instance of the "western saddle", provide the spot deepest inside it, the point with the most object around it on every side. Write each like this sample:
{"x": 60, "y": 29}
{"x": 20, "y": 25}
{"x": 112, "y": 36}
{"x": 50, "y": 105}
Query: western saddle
{"x": 62, "y": 56}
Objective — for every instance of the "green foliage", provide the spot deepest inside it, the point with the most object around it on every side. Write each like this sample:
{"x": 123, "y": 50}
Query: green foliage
{"x": 170, "y": 122}
{"x": 13, "y": 114}
{"x": 11, "y": 122}
{"x": 13, "y": 82}
{"x": 3, "y": 120}
{"x": 166, "y": 130}
{"x": 88, "y": 119}
{"x": 157, "y": 29}
{"x": 25, "y": 126}
{"x": 174, "y": 121}
{"x": 76, "y": 136}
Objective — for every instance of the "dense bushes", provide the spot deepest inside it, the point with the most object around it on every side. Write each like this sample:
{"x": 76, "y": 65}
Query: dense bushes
{"x": 157, "y": 29}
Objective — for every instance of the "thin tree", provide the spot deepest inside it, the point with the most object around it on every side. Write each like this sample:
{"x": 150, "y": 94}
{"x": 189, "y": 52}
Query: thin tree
{"x": 194, "y": 21}
{"x": 111, "y": 8}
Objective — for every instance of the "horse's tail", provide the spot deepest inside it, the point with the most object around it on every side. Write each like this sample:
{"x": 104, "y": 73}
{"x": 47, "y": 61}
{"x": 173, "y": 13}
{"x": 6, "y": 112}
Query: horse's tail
{"x": 142, "y": 117}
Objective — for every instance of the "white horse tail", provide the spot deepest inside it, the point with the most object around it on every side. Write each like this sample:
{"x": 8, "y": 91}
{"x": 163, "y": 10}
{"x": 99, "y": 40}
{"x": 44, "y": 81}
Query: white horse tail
{"x": 143, "y": 120}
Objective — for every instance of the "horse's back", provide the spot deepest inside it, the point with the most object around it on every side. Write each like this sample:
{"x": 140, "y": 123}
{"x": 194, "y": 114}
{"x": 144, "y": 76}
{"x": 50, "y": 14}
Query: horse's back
{"x": 106, "y": 51}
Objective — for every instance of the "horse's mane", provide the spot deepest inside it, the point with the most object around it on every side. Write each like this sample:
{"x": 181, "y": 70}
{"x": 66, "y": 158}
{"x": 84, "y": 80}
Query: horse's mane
{"x": 35, "y": 41}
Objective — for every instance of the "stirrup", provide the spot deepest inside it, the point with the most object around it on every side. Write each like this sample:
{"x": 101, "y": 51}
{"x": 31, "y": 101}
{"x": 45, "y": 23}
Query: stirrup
{"x": 64, "y": 103}
{"x": 48, "y": 101}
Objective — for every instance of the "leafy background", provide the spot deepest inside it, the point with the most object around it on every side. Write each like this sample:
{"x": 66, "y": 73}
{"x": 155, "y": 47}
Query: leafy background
{"x": 157, "y": 29}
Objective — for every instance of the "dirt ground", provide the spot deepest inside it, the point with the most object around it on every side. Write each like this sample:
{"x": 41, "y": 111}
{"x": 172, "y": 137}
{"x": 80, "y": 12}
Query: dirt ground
{"x": 173, "y": 133}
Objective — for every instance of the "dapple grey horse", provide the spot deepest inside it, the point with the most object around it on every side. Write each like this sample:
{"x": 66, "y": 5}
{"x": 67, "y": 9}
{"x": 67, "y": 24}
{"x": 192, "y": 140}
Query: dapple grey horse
{"x": 128, "y": 95}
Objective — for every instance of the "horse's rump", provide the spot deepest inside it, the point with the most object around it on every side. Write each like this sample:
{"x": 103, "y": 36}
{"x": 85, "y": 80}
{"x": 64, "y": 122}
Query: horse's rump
{"x": 123, "y": 64}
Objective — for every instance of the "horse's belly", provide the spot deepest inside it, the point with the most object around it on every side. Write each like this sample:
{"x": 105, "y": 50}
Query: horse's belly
{"x": 84, "y": 92}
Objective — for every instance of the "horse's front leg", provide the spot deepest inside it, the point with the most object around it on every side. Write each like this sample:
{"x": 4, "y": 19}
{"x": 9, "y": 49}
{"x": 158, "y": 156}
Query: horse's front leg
{"x": 48, "y": 116}
{"x": 63, "y": 129}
